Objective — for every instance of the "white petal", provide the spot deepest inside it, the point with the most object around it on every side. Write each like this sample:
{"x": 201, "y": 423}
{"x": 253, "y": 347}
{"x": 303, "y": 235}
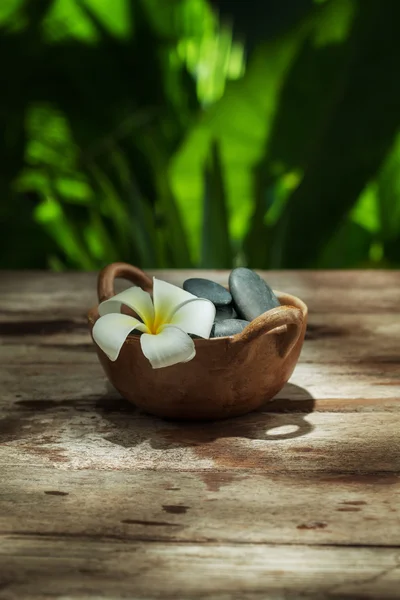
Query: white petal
{"x": 167, "y": 298}
{"x": 134, "y": 297}
{"x": 110, "y": 332}
{"x": 195, "y": 316}
{"x": 170, "y": 346}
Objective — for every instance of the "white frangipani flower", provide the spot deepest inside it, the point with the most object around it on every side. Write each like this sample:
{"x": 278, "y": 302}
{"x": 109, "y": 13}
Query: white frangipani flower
{"x": 166, "y": 321}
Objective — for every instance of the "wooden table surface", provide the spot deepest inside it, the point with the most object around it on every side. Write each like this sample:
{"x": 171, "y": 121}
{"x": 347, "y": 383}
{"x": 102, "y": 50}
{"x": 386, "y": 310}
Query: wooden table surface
{"x": 300, "y": 499}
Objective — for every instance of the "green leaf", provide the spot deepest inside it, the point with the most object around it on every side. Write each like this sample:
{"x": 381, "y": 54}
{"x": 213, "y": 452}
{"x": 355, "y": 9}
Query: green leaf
{"x": 114, "y": 15}
{"x": 168, "y": 213}
{"x": 305, "y": 103}
{"x": 240, "y": 122}
{"x": 216, "y": 247}
{"x": 143, "y": 228}
{"x": 388, "y": 193}
{"x": 65, "y": 232}
{"x": 349, "y": 247}
{"x": 353, "y": 142}
{"x": 67, "y": 19}
{"x": 366, "y": 210}
{"x": 9, "y": 10}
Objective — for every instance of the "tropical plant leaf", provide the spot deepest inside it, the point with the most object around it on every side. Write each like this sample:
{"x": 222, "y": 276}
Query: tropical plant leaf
{"x": 105, "y": 136}
{"x": 388, "y": 193}
{"x": 240, "y": 122}
{"x": 388, "y": 199}
{"x": 349, "y": 247}
{"x": 305, "y": 103}
{"x": 349, "y": 152}
{"x": 216, "y": 251}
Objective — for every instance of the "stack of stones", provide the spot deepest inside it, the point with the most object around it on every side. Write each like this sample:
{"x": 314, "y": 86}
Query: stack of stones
{"x": 248, "y": 298}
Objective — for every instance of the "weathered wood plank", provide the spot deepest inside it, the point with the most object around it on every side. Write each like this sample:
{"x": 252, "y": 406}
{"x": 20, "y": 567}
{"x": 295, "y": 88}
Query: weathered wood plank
{"x": 203, "y": 506}
{"x": 109, "y": 434}
{"x": 44, "y": 568}
{"x": 69, "y": 294}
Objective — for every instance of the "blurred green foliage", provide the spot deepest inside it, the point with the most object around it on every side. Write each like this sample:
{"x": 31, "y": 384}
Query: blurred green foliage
{"x": 138, "y": 131}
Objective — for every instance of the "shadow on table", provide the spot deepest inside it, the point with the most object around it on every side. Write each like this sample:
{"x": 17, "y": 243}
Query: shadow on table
{"x": 280, "y": 419}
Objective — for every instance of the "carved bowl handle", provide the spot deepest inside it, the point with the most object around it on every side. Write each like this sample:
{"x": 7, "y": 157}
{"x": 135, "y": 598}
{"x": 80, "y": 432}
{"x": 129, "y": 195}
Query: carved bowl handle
{"x": 276, "y": 318}
{"x": 107, "y": 276}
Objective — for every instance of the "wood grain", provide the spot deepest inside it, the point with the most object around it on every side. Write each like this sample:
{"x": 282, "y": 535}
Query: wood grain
{"x": 299, "y": 499}
{"x": 71, "y": 434}
{"x": 204, "y": 506}
{"x": 52, "y": 567}
{"x": 348, "y": 292}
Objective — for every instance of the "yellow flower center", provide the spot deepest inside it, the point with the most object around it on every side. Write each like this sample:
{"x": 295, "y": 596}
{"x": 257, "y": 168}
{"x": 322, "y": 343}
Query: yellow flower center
{"x": 155, "y": 325}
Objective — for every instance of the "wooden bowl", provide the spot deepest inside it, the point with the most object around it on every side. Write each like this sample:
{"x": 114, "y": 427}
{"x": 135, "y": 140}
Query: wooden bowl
{"x": 229, "y": 376}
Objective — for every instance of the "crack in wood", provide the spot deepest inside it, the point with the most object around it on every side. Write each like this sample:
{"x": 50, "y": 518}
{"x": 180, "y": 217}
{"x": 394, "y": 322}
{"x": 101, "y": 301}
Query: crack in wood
{"x": 38, "y": 327}
{"x": 201, "y": 540}
{"x": 150, "y": 523}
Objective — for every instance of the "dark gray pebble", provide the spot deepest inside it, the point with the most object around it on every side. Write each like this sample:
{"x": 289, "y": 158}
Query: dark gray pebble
{"x": 204, "y": 288}
{"x": 225, "y": 312}
{"x": 251, "y": 295}
{"x": 228, "y": 327}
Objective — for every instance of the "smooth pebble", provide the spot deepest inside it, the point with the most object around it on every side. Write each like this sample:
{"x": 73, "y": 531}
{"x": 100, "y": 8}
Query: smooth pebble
{"x": 228, "y": 327}
{"x": 251, "y": 295}
{"x": 205, "y": 288}
{"x": 225, "y": 312}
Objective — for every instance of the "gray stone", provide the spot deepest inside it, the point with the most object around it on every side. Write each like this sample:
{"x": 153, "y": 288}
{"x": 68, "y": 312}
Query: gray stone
{"x": 228, "y": 327}
{"x": 204, "y": 288}
{"x": 225, "y": 312}
{"x": 252, "y": 296}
